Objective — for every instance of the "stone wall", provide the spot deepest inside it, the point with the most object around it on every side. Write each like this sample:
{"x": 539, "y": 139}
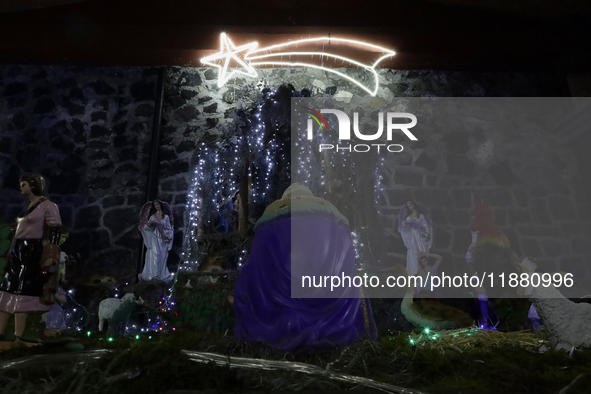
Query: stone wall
{"x": 534, "y": 185}
{"x": 538, "y": 196}
{"x": 88, "y": 131}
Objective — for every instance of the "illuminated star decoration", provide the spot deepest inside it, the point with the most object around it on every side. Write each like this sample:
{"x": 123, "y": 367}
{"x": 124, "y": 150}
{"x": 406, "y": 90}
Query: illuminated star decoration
{"x": 307, "y": 52}
{"x": 228, "y": 52}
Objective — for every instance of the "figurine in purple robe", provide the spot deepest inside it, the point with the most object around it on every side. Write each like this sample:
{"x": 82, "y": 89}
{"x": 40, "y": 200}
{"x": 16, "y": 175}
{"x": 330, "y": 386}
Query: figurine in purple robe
{"x": 300, "y": 235}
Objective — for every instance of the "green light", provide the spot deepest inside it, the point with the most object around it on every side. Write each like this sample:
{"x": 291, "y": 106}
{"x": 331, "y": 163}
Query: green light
{"x": 110, "y": 339}
{"x": 88, "y": 333}
{"x": 412, "y": 341}
{"x": 137, "y": 337}
{"x": 150, "y": 337}
{"x": 426, "y": 330}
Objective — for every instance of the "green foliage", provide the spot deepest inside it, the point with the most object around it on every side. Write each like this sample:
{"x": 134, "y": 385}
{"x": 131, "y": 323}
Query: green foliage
{"x": 502, "y": 370}
{"x": 5, "y": 240}
{"x": 204, "y": 308}
{"x": 162, "y": 367}
{"x": 4, "y": 246}
{"x": 512, "y": 313}
{"x": 5, "y": 232}
{"x": 146, "y": 366}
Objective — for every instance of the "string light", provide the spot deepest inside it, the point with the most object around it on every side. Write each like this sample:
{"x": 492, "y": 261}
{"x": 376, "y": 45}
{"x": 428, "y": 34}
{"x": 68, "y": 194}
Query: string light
{"x": 273, "y": 56}
{"x": 217, "y": 176}
{"x": 428, "y": 335}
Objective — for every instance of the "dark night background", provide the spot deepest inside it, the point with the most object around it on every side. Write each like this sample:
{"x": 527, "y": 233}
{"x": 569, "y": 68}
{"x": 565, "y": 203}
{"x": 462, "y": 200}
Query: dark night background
{"x": 80, "y": 88}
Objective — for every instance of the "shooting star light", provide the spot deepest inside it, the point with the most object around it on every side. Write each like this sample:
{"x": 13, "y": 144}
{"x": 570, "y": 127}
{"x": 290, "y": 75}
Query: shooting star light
{"x": 228, "y": 52}
{"x": 302, "y": 53}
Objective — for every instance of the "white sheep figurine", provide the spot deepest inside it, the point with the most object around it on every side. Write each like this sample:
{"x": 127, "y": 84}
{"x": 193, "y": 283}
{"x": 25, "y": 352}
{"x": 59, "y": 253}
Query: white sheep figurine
{"x": 568, "y": 323}
{"x": 116, "y": 311}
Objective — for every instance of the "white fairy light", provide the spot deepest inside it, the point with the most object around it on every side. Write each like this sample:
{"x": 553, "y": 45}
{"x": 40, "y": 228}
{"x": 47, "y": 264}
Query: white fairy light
{"x": 267, "y": 57}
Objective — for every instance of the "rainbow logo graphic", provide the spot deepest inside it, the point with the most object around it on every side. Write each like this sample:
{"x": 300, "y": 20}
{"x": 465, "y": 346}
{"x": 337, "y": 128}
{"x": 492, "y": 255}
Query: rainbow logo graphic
{"x": 316, "y": 117}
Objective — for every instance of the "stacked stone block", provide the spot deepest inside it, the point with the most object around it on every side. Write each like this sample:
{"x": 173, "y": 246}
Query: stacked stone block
{"x": 88, "y": 131}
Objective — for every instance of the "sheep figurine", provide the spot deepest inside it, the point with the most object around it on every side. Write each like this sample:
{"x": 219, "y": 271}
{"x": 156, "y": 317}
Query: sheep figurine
{"x": 568, "y": 323}
{"x": 116, "y": 312}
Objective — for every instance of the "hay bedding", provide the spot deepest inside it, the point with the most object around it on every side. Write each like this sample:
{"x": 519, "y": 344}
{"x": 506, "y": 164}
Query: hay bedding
{"x": 472, "y": 360}
{"x": 474, "y": 338}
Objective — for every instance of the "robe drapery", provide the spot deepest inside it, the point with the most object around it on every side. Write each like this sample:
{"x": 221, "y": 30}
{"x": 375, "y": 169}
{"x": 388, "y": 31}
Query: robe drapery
{"x": 157, "y": 248}
{"x": 416, "y": 234}
{"x": 318, "y": 242}
{"x": 22, "y": 284}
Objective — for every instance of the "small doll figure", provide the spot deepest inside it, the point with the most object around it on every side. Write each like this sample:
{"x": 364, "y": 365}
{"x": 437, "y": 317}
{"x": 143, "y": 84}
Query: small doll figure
{"x": 416, "y": 229}
{"x": 229, "y": 213}
{"x": 157, "y": 228}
